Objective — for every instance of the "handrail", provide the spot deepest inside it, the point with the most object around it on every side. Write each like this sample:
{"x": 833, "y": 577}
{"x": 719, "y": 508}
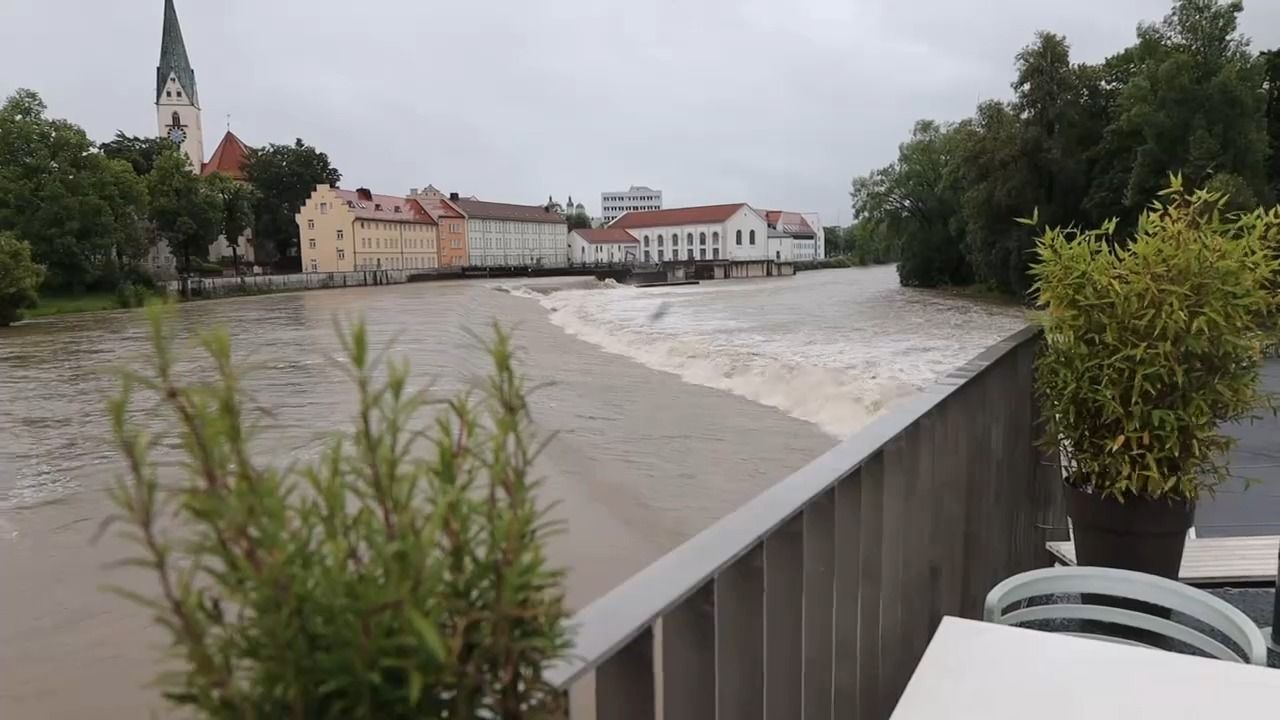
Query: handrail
{"x": 610, "y": 622}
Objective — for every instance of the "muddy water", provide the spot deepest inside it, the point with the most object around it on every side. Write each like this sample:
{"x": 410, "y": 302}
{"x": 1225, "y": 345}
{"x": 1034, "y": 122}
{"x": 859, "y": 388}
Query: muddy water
{"x": 672, "y": 408}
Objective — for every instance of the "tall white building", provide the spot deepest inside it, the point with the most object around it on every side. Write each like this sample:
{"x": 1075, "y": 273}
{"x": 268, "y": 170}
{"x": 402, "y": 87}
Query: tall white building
{"x": 506, "y": 234}
{"x": 638, "y": 199}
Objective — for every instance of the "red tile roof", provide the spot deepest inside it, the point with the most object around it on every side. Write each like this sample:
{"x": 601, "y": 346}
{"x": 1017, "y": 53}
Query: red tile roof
{"x": 229, "y": 158}
{"x": 439, "y": 207}
{"x": 603, "y": 236}
{"x": 791, "y": 223}
{"x": 702, "y": 215}
{"x": 506, "y": 211}
{"x": 383, "y": 207}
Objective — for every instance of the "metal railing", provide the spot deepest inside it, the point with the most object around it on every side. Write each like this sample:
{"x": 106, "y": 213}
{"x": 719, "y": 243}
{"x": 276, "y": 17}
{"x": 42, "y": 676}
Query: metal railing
{"x": 816, "y": 599}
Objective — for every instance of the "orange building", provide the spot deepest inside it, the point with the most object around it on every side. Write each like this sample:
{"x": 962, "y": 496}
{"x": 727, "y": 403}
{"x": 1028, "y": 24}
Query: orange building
{"x": 452, "y": 230}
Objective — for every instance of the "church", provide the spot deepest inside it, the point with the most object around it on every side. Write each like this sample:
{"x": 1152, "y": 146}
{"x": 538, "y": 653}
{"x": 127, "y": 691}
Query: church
{"x": 178, "y": 119}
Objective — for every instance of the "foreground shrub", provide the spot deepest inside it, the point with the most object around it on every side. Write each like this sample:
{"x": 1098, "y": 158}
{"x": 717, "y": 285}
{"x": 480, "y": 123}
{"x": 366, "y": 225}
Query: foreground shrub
{"x": 1151, "y": 346}
{"x": 400, "y": 575}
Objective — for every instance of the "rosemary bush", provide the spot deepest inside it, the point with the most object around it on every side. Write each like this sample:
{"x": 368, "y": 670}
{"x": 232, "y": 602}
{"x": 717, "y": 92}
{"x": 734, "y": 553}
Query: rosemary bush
{"x": 1151, "y": 345}
{"x": 401, "y": 575}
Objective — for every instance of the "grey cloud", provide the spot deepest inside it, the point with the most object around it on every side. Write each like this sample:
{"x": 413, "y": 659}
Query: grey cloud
{"x": 775, "y": 103}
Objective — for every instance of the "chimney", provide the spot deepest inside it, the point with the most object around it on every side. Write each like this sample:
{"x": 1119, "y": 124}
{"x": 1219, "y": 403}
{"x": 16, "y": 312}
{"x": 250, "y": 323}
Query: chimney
{"x": 453, "y": 196}
{"x": 364, "y": 194}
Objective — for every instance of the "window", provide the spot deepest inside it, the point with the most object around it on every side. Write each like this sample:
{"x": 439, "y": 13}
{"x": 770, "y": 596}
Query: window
{"x": 311, "y": 243}
{"x": 739, "y": 237}
{"x": 364, "y": 242}
{"x": 314, "y": 266}
{"x": 311, "y": 224}
{"x": 324, "y": 208}
{"x": 659, "y": 241}
{"x": 702, "y": 254}
{"x": 702, "y": 238}
{"x": 715, "y": 238}
{"x": 339, "y": 236}
{"x": 647, "y": 258}
{"x": 660, "y": 256}
{"x": 175, "y": 119}
{"x": 362, "y": 225}
{"x": 377, "y": 243}
{"x": 691, "y": 253}
{"x": 179, "y": 93}
{"x": 753, "y": 237}
{"x": 342, "y": 255}
{"x": 715, "y": 253}
{"x": 689, "y": 237}
{"x": 646, "y": 240}
{"x": 168, "y": 93}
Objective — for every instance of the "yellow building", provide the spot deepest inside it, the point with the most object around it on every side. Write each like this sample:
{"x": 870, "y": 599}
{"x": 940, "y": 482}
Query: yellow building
{"x": 345, "y": 230}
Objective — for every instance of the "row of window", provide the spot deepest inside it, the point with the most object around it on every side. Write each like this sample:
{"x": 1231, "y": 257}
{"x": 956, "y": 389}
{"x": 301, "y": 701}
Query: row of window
{"x": 702, "y": 239}
{"x": 675, "y": 254}
{"x": 631, "y": 198}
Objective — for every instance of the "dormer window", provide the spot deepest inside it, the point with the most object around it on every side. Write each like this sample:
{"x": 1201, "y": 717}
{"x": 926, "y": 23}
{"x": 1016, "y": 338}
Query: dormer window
{"x": 179, "y": 93}
{"x": 168, "y": 93}
{"x": 377, "y": 206}
{"x": 397, "y": 208}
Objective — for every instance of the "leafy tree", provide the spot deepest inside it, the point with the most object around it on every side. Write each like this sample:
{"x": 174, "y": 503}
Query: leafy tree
{"x": 1271, "y": 69}
{"x": 578, "y": 219}
{"x": 68, "y": 201}
{"x": 402, "y": 574}
{"x": 236, "y": 199}
{"x": 140, "y": 152}
{"x": 20, "y": 278}
{"x": 187, "y": 213}
{"x": 283, "y": 177}
{"x": 915, "y": 201}
{"x": 833, "y": 241}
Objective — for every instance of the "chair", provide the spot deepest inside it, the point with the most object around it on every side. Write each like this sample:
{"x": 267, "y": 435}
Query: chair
{"x": 1202, "y": 606}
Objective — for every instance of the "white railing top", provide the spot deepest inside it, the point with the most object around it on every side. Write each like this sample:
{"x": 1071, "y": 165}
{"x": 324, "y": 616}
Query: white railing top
{"x": 611, "y": 621}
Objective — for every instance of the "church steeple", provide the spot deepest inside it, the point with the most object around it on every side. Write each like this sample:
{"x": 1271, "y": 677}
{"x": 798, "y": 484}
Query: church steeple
{"x": 173, "y": 57}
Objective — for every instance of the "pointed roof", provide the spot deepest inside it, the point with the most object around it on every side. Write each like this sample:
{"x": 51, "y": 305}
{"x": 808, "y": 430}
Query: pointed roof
{"x": 173, "y": 57}
{"x": 229, "y": 159}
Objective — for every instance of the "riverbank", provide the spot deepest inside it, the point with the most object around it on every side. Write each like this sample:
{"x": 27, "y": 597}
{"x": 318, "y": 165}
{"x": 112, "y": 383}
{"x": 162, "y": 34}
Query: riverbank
{"x": 51, "y": 305}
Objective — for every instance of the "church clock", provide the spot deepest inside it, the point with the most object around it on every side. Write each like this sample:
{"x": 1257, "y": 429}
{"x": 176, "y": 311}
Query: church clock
{"x": 177, "y": 134}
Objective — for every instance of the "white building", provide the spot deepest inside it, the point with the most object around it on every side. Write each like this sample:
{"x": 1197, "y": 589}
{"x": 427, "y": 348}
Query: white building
{"x": 708, "y": 232}
{"x": 603, "y": 245}
{"x": 505, "y": 234}
{"x": 638, "y": 199}
{"x": 803, "y": 241}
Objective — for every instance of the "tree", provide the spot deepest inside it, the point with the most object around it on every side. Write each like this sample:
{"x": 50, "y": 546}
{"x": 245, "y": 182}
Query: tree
{"x": 833, "y": 241}
{"x": 20, "y": 278}
{"x": 236, "y": 216}
{"x": 186, "y": 212}
{"x": 1271, "y": 84}
{"x": 578, "y": 219}
{"x": 140, "y": 152}
{"x": 283, "y": 177}
{"x": 915, "y": 202}
{"x": 68, "y": 201}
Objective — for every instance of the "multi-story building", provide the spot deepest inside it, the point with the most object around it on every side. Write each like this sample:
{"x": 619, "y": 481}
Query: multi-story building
{"x": 452, "y": 225}
{"x": 506, "y": 234}
{"x": 709, "y": 232}
{"x": 603, "y": 245}
{"x": 638, "y": 199}
{"x": 344, "y": 230}
{"x": 803, "y": 237}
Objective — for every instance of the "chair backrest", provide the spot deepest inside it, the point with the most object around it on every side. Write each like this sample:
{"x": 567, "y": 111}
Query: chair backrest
{"x": 1213, "y": 611}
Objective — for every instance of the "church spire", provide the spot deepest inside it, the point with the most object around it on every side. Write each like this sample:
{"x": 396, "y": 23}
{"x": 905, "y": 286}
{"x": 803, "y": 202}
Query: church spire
{"x": 173, "y": 57}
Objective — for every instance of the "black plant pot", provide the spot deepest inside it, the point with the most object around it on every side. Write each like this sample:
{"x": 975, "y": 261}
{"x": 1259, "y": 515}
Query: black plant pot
{"x": 1139, "y": 534}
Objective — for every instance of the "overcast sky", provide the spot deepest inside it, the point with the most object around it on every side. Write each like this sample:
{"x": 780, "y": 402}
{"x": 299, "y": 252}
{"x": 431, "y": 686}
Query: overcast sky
{"x": 776, "y": 103}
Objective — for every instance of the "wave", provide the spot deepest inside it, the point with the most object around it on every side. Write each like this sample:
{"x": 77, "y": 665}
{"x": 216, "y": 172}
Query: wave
{"x": 838, "y": 400}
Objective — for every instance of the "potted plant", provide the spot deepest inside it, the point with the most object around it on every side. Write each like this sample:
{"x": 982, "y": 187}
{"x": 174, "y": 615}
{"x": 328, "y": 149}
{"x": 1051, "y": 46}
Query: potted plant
{"x": 1150, "y": 346}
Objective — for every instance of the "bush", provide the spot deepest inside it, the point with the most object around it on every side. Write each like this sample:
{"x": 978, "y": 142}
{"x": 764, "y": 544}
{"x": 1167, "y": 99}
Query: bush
{"x": 1151, "y": 346}
{"x": 399, "y": 575}
{"x": 20, "y": 278}
{"x": 131, "y": 295}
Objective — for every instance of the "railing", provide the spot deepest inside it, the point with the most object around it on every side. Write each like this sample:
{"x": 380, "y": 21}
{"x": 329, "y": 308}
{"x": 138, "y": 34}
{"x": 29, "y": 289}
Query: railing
{"x": 816, "y": 599}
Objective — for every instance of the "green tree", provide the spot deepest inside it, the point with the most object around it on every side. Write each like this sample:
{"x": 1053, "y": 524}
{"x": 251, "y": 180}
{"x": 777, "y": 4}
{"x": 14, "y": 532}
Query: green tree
{"x": 236, "y": 200}
{"x": 283, "y": 177}
{"x": 578, "y": 219}
{"x": 140, "y": 152}
{"x": 401, "y": 574}
{"x": 68, "y": 201}
{"x": 20, "y": 278}
{"x": 915, "y": 201}
{"x": 186, "y": 212}
{"x": 1271, "y": 69}
{"x": 833, "y": 241}
{"x": 1195, "y": 102}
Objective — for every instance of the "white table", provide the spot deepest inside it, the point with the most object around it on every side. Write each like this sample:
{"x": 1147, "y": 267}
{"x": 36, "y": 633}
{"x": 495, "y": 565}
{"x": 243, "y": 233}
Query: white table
{"x": 994, "y": 672}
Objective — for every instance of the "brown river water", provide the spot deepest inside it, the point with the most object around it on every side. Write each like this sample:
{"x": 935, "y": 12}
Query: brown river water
{"x": 672, "y": 407}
